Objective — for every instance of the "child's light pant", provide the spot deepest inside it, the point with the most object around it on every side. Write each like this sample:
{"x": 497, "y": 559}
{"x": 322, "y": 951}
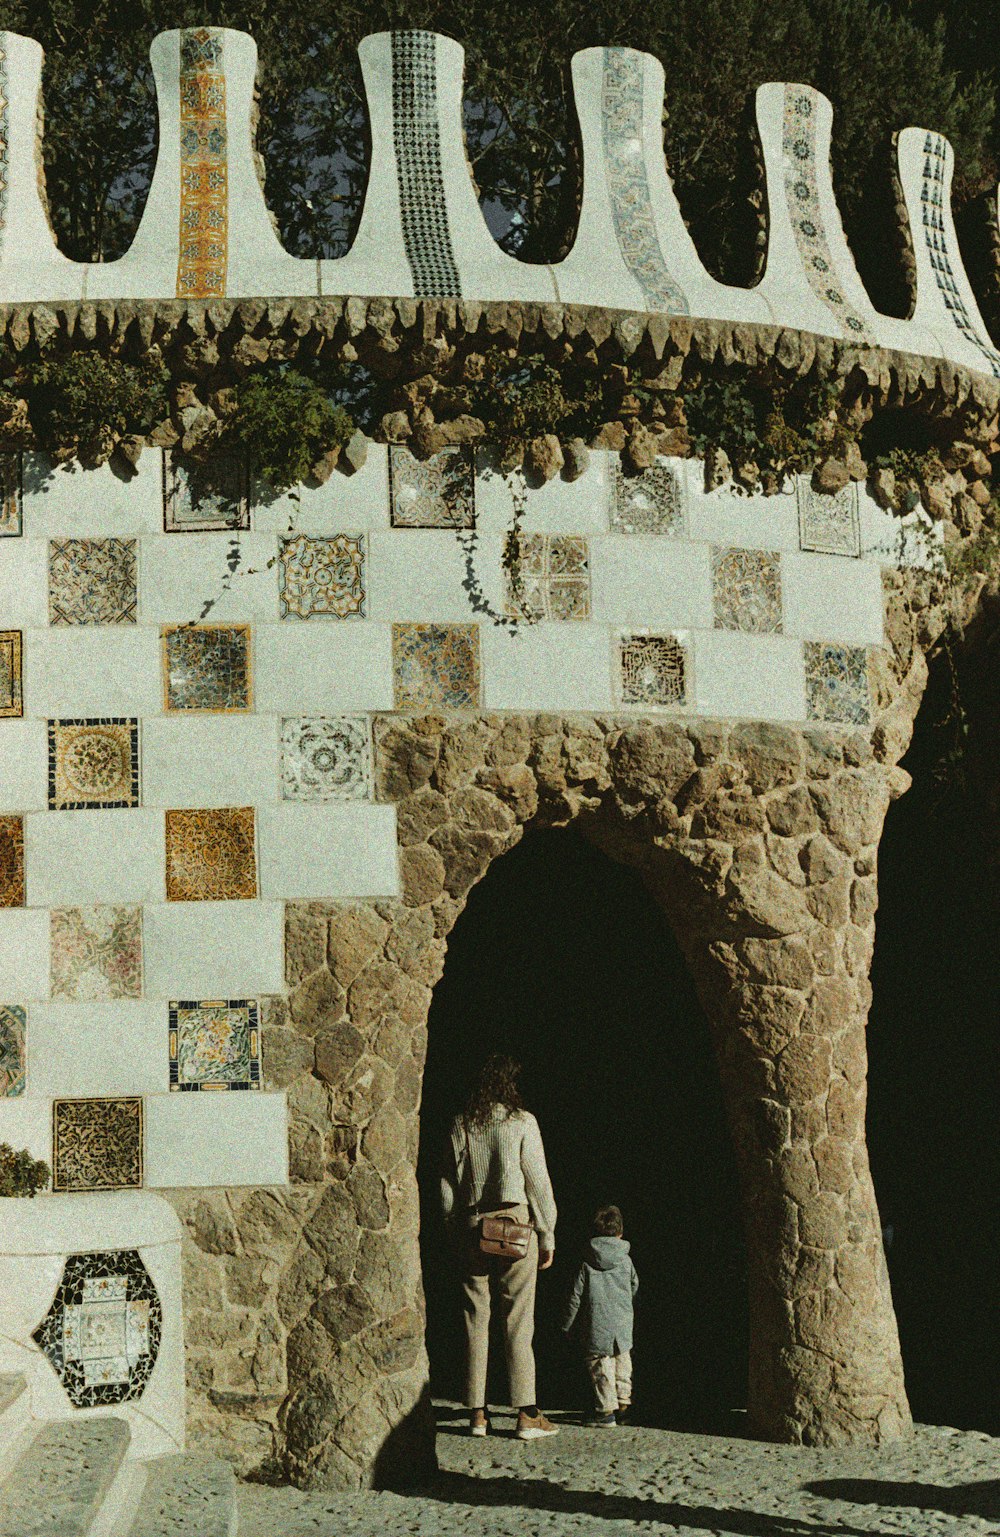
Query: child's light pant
{"x": 611, "y": 1377}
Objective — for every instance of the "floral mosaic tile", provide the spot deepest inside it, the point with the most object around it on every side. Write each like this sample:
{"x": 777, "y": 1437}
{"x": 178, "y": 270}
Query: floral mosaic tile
{"x": 11, "y": 861}
{"x": 551, "y": 579}
{"x": 215, "y": 1045}
{"x": 207, "y": 667}
{"x": 204, "y": 155}
{"x": 96, "y": 952}
{"x": 199, "y": 498}
{"x": 11, "y": 696}
{"x": 435, "y": 665}
{"x": 837, "y": 686}
{"x": 322, "y": 577}
{"x": 417, "y": 142}
{"x": 13, "y": 1020}
{"x": 211, "y": 855}
{"x": 97, "y": 1144}
{"x": 654, "y": 670}
{"x": 325, "y": 760}
{"x": 829, "y": 525}
{"x": 11, "y": 517}
{"x": 101, "y": 1336}
{"x": 651, "y": 502}
{"x": 93, "y": 764}
{"x": 439, "y": 492}
{"x": 93, "y": 581}
{"x": 746, "y": 590}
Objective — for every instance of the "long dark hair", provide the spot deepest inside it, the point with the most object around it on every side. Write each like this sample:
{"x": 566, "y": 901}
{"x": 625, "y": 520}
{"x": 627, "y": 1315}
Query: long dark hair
{"x": 496, "y": 1084}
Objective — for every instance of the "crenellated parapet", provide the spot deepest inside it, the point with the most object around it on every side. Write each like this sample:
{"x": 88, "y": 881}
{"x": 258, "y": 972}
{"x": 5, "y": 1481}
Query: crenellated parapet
{"x": 206, "y": 232}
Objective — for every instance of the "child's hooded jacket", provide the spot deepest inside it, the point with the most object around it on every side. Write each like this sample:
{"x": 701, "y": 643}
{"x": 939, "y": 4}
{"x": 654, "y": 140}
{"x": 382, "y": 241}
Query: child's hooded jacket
{"x": 601, "y": 1298}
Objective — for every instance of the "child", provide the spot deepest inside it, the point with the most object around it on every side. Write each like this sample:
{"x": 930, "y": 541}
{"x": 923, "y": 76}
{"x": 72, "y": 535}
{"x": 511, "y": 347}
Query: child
{"x": 602, "y": 1297}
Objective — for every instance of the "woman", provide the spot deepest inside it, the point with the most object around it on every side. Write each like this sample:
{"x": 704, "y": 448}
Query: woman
{"x": 495, "y": 1166}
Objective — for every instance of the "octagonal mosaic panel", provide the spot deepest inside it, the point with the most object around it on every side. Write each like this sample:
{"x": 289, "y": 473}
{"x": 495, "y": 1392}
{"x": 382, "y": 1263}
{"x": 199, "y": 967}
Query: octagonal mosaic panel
{"x": 325, "y": 760}
{"x": 101, "y": 1336}
{"x": 651, "y": 502}
{"x": 12, "y": 1049}
{"x": 435, "y": 665}
{"x": 97, "y": 1144}
{"x": 653, "y": 670}
{"x": 11, "y": 861}
{"x": 207, "y": 667}
{"x": 201, "y": 497}
{"x": 439, "y": 492}
{"x": 551, "y": 579}
{"x": 214, "y": 1045}
{"x": 96, "y": 952}
{"x": 211, "y": 855}
{"x": 93, "y": 764}
{"x": 746, "y": 590}
{"x": 11, "y": 697}
{"x": 93, "y": 581}
{"x": 322, "y": 577}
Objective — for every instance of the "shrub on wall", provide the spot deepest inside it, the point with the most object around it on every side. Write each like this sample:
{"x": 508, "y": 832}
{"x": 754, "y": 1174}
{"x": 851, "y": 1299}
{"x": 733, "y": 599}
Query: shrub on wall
{"x": 288, "y": 422}
{"x": 83, "y": 404}
{"x": 20, "y": 1174}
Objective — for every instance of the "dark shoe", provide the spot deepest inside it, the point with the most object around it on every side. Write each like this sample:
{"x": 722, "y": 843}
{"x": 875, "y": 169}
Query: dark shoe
{"x": 603, "y": 1421}
{"x": 531, "y": 1427}
{"x": 624, "y": 1410}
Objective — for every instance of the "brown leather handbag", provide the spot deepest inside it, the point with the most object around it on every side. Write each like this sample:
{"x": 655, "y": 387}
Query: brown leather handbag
{"x": 501, "y": 1236}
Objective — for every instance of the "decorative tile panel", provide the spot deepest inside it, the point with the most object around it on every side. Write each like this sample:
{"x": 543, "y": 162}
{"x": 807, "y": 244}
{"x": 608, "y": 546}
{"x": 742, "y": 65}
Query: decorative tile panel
{"x": 199, "y": 498}
{"x": 628, "y": 184}
{"x": 11, "y": 518}
{"x": 211, "y": 855}
{"x": 806, "y": 214}
{"x": 207, "y": 667}
{"x": 829, "y": 525}
{"x": 11, "y": 698}
{"x": 439, "y": 492}
{"x": 417, "y": 141}
{"x": 93, "y": 764}
{"x": 322, "y": 577}
{"x": 204, "y": 226}
{"x": 651, "y": 502}
{"x": 746, "y": 590}
{"x": 837, "y": 687}
{"x": 96, "y": 952}
{"x": 215, "y": 1045}
{"x": 97, "y": 1144}
{"x": 12, "y": 1059}
{"x": 551, "y": 579}
{"x": 101, "y": 1335}
{"x": 11, "y": 861}
{"x": 936, "y": 240}
{"x": 4, "y": 141}
{"x": 653, "y": 670}
{"x": 92, "y": 581}
{"x": 323, "y": 760}
{"x": 435, "y": 665}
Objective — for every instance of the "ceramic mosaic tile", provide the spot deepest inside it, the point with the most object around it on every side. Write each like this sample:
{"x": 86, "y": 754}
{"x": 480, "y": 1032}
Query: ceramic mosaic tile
{"x": 829, "y": 525}
{"x": 93, "y": 764}
{"x": 204, "y": 223}
{"x": 628, "y": 184}
{"x": 435, "y": 665}
{"x": 211, "y": 855}
{"x": 199, "y": 498}
{"x": 96, "y": 1144}
{"x": 653, "y": 670}
{"x": 101, "y": 1336}
{"x": 92, "y": 581}
{"x": 936, "y": 241}
{"x": 837, "y": 687}
{"x": 215, "y": 1045}
{"x": 323, "y": 760}
{"x": 746, "y": 590}
{"x": 96, "y": 952}
{"x": 12, "y": 1061}
{"x": 207, "y": 667}
{"x": 11, "y": 861}
{"x": 322, "y": 577}
{"x": 11, "y": 517}
{"x": 417, "y": 142}
{"x": 11, "y": 698}
{"x": 551, "y": 579}
{"x": 439, "y": 492}
{"x": 651, "y": 502}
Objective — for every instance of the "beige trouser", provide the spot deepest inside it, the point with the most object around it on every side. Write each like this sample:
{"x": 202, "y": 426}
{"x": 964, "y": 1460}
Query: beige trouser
{"x": 611, "y": 1378}
{"x": 516, "y": 1281}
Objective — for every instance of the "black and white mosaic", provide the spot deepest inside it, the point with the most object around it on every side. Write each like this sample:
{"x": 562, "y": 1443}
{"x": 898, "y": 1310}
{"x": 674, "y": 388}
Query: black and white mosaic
{"x": 417, "y": 142}
{"x": 101, "y": 1336}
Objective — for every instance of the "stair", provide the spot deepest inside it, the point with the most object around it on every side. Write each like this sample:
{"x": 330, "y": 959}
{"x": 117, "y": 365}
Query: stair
{"x": 187, "y": 1496}
{"x": 58, "y": 1485}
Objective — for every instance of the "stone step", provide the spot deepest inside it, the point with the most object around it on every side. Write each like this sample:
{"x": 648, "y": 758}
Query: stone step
{"x": 17, "y": 1428}
{"x": 12, "y": 1385}
{"x": 58, "y": 1485}
{"x": 188, "y": 1495}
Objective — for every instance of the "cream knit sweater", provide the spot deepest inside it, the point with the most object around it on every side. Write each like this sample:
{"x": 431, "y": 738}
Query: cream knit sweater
{"x": 507, "y": 1166}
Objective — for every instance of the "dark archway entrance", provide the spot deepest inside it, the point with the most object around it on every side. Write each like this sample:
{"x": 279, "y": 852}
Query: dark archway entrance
{"x": 933, "y": 1058}
{"x": 562, "y": 958}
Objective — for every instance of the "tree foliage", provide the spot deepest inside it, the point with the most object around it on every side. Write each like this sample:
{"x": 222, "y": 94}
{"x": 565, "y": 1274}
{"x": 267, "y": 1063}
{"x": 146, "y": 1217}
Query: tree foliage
{"x": 884, "y": 67}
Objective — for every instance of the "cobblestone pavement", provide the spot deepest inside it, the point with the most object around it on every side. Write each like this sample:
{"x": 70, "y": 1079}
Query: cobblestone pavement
{"x": 939, "y": 1483}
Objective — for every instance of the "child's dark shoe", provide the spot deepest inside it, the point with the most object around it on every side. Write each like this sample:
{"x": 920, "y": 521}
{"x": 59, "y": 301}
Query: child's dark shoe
{"x": 604, "y": 1421}
{"x": 623, "y": 1413}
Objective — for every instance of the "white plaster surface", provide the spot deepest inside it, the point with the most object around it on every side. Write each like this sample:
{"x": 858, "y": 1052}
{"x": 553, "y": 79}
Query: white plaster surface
{"x": 75, "y": 671}
{"x": 182, "y": 575}
{"x": 63, "y": 500}
{"x": 26, "y": 1122}
{"x": 116, "y": 1046}
{"x": 343, "y": 501}
{"x": 24, "y": 590}
{"x": 650, "y": 580}
{"x": 216, "y": 1139}
{"x": 323, "y": 666}
{"x": 82, "y": 858}
{"x": 213, "y": 949}
{"x": 417, "y": 574}
{"x": 912, "y": 540}
{"x": 748, "y": 677}
{"x": 24, "y": 954}
{"x": 210, "y": 760}
{"x": 24, "y": 770}
{"x": 832, "y": 597}
{"x": 328, "y": 851}
{"x": 558, "y": 507}
{"x": 62, "y": 1224}
{"x": 547, "y": 666}
{"x": 747, "y": 522}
